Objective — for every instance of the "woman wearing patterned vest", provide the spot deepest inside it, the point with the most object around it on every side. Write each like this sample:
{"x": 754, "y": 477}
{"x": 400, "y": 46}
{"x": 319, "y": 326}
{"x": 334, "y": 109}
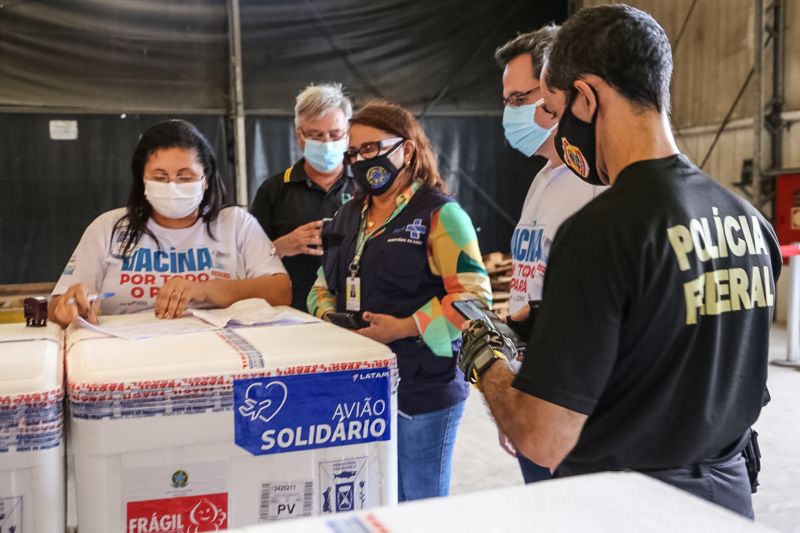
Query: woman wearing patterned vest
{"x": 401, "y": 253}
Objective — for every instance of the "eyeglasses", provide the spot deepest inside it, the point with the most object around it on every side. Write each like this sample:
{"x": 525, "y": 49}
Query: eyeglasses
{"x": 372, "y": 149}
{"x": 181, "y": 178}
{"x": 323, "y": 136}
{"x": 519, "y": 99}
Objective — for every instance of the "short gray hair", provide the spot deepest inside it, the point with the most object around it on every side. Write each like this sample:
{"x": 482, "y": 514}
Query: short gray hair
{"x": 316, "y": 101}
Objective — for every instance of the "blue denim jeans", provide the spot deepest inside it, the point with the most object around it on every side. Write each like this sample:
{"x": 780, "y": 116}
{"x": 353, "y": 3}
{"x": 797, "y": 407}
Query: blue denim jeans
{"x": 425, "y": 446}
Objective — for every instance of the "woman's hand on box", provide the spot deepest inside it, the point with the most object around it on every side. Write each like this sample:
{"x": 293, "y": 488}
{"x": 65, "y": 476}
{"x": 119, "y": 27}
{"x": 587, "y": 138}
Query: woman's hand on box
{"x": 174, "y": 297}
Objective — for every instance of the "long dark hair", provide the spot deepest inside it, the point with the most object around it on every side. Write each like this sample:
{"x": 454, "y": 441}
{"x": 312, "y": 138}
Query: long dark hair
{"x": 174, "y": 133}
{"x": 398, "y": 121}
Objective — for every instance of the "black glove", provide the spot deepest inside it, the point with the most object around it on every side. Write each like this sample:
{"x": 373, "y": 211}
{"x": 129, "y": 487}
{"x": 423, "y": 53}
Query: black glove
{"x": 524, "y": 328}
{"x": 479, "y": 338}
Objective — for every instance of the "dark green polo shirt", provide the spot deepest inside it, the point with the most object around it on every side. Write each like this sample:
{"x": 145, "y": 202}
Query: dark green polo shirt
{"x": 288, "y": 200}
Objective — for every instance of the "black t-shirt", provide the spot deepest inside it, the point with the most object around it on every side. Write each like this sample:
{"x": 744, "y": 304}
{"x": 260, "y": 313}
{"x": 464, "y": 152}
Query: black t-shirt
{"x": 657, "y": 307}
{"x": 286, "y": 201}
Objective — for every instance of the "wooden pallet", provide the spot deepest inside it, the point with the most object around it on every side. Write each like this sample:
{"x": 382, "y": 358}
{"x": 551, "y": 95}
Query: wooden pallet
{"x": 499, "y": 267}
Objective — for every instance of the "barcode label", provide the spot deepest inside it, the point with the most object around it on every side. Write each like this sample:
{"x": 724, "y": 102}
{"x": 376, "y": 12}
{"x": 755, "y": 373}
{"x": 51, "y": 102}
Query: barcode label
{"x": 285, "y": 499}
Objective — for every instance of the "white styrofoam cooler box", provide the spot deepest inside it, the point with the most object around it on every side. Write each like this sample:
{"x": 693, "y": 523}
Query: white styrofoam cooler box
{"x": 221, "y": 429}
{"x": 32, "y": 485}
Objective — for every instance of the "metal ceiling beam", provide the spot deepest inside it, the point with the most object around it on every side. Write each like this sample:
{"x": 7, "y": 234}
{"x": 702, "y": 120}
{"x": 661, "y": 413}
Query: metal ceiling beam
{"x": 769, "y": 26}
{"x": 237, "y": 101}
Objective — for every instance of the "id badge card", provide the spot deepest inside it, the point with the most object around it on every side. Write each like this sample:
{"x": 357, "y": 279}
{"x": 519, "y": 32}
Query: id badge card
{"x": 353, "y": 287}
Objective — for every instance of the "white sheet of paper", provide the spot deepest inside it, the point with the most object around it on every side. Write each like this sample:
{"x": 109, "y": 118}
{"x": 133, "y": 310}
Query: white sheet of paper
{"x": 146, "y": 325}
{"x": 249, "y": 312}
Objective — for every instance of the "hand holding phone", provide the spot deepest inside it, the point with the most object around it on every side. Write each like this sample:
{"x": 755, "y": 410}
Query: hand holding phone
{"x": 348, "y": 320}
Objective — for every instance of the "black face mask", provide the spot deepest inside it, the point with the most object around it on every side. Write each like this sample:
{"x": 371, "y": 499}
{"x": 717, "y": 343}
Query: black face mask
{"x": 375, "y": 175}
{"x": 576, "y": 143}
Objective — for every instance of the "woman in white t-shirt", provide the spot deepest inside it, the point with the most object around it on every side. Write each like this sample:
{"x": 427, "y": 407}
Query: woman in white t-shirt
{"x": 174, "y": 245}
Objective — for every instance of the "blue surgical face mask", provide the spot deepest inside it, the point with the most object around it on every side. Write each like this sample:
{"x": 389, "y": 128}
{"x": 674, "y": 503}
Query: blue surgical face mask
{"x": 325, "y": 156}
{"x": 522, "y": 131}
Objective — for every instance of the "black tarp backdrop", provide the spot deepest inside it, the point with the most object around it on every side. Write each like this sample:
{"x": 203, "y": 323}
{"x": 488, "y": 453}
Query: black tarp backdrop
{"x": 434, "y": 55}
{"x": 52, "y": 190}
{"x": 114, "y": 55}
{"x": 149, "y": 59}
{"x": 489, "y": 178}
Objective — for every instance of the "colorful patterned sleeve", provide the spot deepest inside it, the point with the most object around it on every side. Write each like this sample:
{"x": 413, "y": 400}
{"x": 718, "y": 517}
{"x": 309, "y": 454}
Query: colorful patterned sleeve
{"x": 453, "y": 254}
{"x": 320, "y": 299}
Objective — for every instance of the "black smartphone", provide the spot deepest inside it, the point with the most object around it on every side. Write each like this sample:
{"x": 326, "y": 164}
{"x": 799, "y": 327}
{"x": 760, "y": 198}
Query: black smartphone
{"x": 322, "y": 244}
{"x": 348, "y": 320}
{"x": 477, "y": 310}
{"x": 471, "y": 309}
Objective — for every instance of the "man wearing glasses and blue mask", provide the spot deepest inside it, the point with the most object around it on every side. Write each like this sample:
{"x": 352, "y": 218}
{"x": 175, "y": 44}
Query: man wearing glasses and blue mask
{"x": 292, "y": 204}
{"x": 554, "y": 195}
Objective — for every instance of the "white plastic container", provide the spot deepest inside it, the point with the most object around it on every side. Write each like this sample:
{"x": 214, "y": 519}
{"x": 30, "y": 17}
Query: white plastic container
{"x": 32, "y": 485}
{"x": 154, "y": 427}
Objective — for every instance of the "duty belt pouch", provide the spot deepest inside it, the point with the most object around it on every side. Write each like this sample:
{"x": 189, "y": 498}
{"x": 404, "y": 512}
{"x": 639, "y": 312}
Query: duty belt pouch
{"x": 752, "y": 459}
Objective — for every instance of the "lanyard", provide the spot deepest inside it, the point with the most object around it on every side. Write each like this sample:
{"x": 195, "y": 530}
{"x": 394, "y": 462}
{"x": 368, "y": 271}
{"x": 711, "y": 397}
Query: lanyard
{"x": 362, "y": 238}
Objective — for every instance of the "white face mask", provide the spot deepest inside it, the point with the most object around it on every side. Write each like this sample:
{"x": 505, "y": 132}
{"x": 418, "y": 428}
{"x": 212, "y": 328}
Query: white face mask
{"x": 174, "y": 200}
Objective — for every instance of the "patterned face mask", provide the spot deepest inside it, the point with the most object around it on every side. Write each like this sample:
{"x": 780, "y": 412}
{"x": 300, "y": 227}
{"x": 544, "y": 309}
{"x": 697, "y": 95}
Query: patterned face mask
{"x": 576, "y": 144}
{"x": 376, "y": 175}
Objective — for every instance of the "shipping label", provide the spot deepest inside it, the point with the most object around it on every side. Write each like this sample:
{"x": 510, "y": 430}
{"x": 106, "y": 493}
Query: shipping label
{"x": 305, "y": 412}
{"x": 188, "y": 514}
{"x": 343, "y": 485}
{"x": 286, "y": 499}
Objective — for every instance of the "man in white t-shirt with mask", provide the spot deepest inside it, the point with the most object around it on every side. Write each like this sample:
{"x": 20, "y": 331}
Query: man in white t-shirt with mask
{"x": 554, "y": 195}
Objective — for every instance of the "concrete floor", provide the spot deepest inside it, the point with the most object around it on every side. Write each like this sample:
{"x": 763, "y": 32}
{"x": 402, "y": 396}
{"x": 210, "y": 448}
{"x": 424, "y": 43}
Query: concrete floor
{"x": 480, "y": 463}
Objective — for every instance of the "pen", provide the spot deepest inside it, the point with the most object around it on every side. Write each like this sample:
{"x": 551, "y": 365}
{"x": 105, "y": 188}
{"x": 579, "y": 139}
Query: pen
{"x": 94, "y": 297}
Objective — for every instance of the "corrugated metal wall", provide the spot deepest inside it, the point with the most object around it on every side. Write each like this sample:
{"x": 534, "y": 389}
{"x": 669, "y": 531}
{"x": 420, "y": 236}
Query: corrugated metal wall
{"x": 712, "y": 60}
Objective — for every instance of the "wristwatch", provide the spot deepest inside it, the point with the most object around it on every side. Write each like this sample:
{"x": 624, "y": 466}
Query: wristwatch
{"x": 483, "y": 360}
{"x": 481, "y": 346}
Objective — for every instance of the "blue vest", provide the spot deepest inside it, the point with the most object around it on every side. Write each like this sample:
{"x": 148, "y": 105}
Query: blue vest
{"x": 397, "y": 280}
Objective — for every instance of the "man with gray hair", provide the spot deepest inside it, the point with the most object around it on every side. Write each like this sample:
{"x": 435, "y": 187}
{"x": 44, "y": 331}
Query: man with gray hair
{"x": 292, "y": 204}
